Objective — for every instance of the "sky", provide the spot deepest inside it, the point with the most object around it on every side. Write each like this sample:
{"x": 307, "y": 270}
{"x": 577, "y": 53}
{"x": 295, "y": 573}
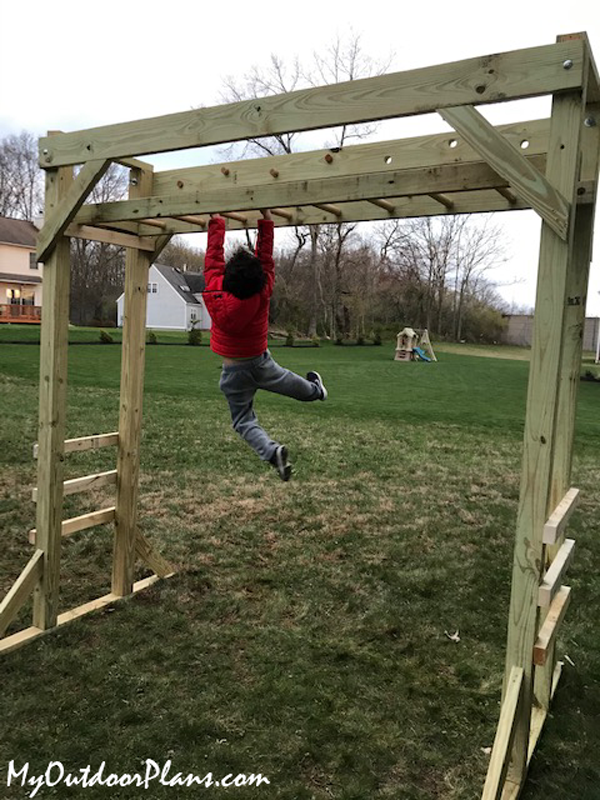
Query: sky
{"x": 68, "y": 65}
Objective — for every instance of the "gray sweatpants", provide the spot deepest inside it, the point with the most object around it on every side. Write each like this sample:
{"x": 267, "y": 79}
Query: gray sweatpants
{"x": 239, "y": 384}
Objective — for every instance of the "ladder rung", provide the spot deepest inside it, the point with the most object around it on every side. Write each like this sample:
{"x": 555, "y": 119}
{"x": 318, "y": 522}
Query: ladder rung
{"x": 549, "y": 629}
{"x": 85, "y": 483}
{"x": 86, "y": 443}
{"x": 556, "y": 571}
{"x": 70, "y": 526}
{"x": 557, "y": 521}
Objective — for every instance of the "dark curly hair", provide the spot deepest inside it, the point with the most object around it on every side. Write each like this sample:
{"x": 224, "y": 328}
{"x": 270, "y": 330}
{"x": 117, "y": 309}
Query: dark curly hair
{"x": 244, "y": 275}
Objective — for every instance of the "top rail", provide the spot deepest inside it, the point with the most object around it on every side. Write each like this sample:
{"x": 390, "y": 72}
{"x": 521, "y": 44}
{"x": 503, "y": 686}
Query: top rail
{"x": 488, "y": 79}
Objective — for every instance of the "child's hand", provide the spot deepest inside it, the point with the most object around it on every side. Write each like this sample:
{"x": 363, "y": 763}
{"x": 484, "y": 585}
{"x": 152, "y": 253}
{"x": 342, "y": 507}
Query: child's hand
{"x": 266, "y": 213}
{"x": 215, "y": 216}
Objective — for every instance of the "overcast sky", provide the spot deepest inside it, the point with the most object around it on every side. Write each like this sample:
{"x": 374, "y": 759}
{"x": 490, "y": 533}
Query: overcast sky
{"x": 67, "y": 65}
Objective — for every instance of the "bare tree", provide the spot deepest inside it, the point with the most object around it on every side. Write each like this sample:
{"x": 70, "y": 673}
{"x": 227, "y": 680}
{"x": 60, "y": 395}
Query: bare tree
{"x": 21, "y": 179}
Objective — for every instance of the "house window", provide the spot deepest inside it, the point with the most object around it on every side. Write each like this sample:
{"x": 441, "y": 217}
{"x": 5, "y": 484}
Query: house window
{"x": 184, "y": 288}
{"x": 153, "y": 288}
{"x": 193, "y": 315}
{"x": 33, "y": 264}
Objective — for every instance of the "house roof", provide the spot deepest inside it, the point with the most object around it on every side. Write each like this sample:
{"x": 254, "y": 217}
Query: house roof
{"x": 18, "y": 231}
{"x": 186, "y": 284}
{"x": 10, "y": 277}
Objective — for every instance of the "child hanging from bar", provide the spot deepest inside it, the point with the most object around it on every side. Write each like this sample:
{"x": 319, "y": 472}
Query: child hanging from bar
{"x": 237, "y": 295}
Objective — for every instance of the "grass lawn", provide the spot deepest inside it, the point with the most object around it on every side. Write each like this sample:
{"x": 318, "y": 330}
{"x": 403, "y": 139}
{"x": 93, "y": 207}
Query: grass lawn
{"x": 304, "y": 636}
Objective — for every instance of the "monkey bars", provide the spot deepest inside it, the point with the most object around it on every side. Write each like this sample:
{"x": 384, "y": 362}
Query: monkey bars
{"x": 548, "y": 165}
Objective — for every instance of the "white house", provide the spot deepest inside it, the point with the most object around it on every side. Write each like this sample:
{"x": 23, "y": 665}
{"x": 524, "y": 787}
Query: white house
{"x": 174, "y": 300}
{"x": 20, "y": 273}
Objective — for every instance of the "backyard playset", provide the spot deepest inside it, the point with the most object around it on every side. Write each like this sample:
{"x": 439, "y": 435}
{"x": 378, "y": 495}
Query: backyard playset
{"x": 549, "y": 165}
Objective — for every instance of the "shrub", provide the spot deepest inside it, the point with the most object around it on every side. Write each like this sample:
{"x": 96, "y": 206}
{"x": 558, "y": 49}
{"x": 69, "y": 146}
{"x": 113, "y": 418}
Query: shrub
{"x": 195, "y": 337}
{"x": 151, "y": 338}
{"x": 289, "y": 339}
{"x": 339, "y": 341}
{"x": 316, "y": 342}
{"x": 360, "y": 340}
{"x": 106, "y": 338}
{"x": 377, "y": 337}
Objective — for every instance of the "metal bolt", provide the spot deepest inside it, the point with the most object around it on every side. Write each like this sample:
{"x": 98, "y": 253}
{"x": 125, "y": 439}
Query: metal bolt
{"x": 567, "y": 64}
{"x": 45, "y": 151}
{"x": 134, "y": 181}
{"x": 589, "y": 122}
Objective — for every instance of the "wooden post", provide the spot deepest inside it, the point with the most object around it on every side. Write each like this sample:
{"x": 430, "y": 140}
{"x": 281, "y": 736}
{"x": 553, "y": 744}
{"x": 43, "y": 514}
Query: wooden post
{"x": 52, "y": 409}
{"x": 137, "y": 264}
{"x": 553, "y": 290}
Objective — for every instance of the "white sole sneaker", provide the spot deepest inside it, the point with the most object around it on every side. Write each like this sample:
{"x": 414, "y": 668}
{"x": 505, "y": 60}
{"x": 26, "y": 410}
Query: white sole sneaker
{"x": 314, "y": 377}
{"x": 281, "y": 464}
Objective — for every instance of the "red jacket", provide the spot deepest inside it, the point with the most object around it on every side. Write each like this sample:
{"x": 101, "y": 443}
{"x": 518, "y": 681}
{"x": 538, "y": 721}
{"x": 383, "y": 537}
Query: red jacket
{"x": 239, "y": 327}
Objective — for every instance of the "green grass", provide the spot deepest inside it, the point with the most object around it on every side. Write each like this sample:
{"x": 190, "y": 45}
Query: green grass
{"x": 304, "y": 635}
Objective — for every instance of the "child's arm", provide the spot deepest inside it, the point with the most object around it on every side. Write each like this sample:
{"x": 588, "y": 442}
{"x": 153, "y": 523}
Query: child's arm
{"x": 214, "y": 261}
{"x": 264, "y": 249}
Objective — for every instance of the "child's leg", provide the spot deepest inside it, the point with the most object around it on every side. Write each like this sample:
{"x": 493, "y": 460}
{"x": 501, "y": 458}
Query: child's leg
{"x": 269, "y": 375}
{"x": 239, "y": 388}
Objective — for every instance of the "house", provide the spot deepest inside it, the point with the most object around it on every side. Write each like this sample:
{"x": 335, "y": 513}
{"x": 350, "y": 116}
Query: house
{"x": 519, "y": 331}
{"x": 20, "y": 273}
{"x": 174, "y": 300}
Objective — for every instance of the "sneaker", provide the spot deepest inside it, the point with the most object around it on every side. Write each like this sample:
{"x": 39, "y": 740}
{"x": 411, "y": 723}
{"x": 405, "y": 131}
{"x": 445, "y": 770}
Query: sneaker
{"x": 314, "y": 377}
{"x": 281, "y": 464}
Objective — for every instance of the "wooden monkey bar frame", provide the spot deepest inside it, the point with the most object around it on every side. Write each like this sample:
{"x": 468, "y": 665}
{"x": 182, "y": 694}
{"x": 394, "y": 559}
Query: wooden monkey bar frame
{"x": 549, "y": 165}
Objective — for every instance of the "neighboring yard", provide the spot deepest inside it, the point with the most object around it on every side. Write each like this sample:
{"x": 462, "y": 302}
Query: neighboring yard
{"x": 305, "y": 634}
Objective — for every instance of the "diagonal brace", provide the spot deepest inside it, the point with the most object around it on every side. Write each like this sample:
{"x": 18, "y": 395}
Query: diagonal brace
{"x": 63, "y": 214}
{"x": 526, "y": 181}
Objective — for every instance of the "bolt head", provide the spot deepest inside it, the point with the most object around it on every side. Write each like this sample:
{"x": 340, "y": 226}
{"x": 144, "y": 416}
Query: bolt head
{"x": 45, "y": 151}
{"x": 567, "y": 64}
{"x": 134, "y": 181}
{"x": 589, "y": 122}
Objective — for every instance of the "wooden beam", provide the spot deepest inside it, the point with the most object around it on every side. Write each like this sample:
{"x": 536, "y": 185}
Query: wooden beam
{"x": 20, "y": 590}
{"x": 17, "y": 640}
{"x": 63, "y": 212}
{"x": 84, "y": 484}
{"x": 109, "y": 237}
{"x": 540, "y": 433}
{"x": 433, "y": 150}
{"x": 495, "y": 78}
{"x": 54, "y": 345}
{"x": 526, "y": 181}
{"x": 83, "y": 443}
{"x": 557, "y": 522}
{"x": 549, "y": 629}
{"x": 555, "y": 574}
{"x": 152, "y": 558}
{"x": 506, "y": 193}
{"x": 137, "y": 265}
{"x": 505, "y": 734}
{"x": 228, "y": 198}
{"x": 81, "y": 523}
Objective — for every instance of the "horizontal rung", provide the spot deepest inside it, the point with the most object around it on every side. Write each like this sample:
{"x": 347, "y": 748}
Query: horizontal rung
{"x": 560, "y": 516}
{"x": 75, "y": 524}
{"x": 548, "y": 631}
{"x": 86, "y": 443}
{"x": 555, "y": 574}
{"x": 85, "y": 483}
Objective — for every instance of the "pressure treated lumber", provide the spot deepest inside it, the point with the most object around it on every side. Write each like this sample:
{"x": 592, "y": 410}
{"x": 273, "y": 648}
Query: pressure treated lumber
{"x": 151, "y": 557}
{"x": 505, "y": 734}
{"x": 526, "y": 181}
{"x": 82, "y": 522}
{"x": 106, "y": 236}
{"x": 555, "y": 574}
{"x": 17, "y": 640}
{"x": 227, "y": 199}
{"x": 137, "y": 264}
{"x": 540, "y": 432}
{"x": 552, "y": 623}
{"x": 417, "y": 152}
{"x": 495, "y": 78}
{"x": 83, "y": 443}
{"x": 85, "y": 483}
{"x": 557, "y": 522}
{"x": 52, "y": 408}
{"x": 63, "y": 212}
{"x": 20, "y": 590}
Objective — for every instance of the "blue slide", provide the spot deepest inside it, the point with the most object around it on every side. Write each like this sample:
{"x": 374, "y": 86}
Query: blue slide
{"x": 420, "y": 354}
